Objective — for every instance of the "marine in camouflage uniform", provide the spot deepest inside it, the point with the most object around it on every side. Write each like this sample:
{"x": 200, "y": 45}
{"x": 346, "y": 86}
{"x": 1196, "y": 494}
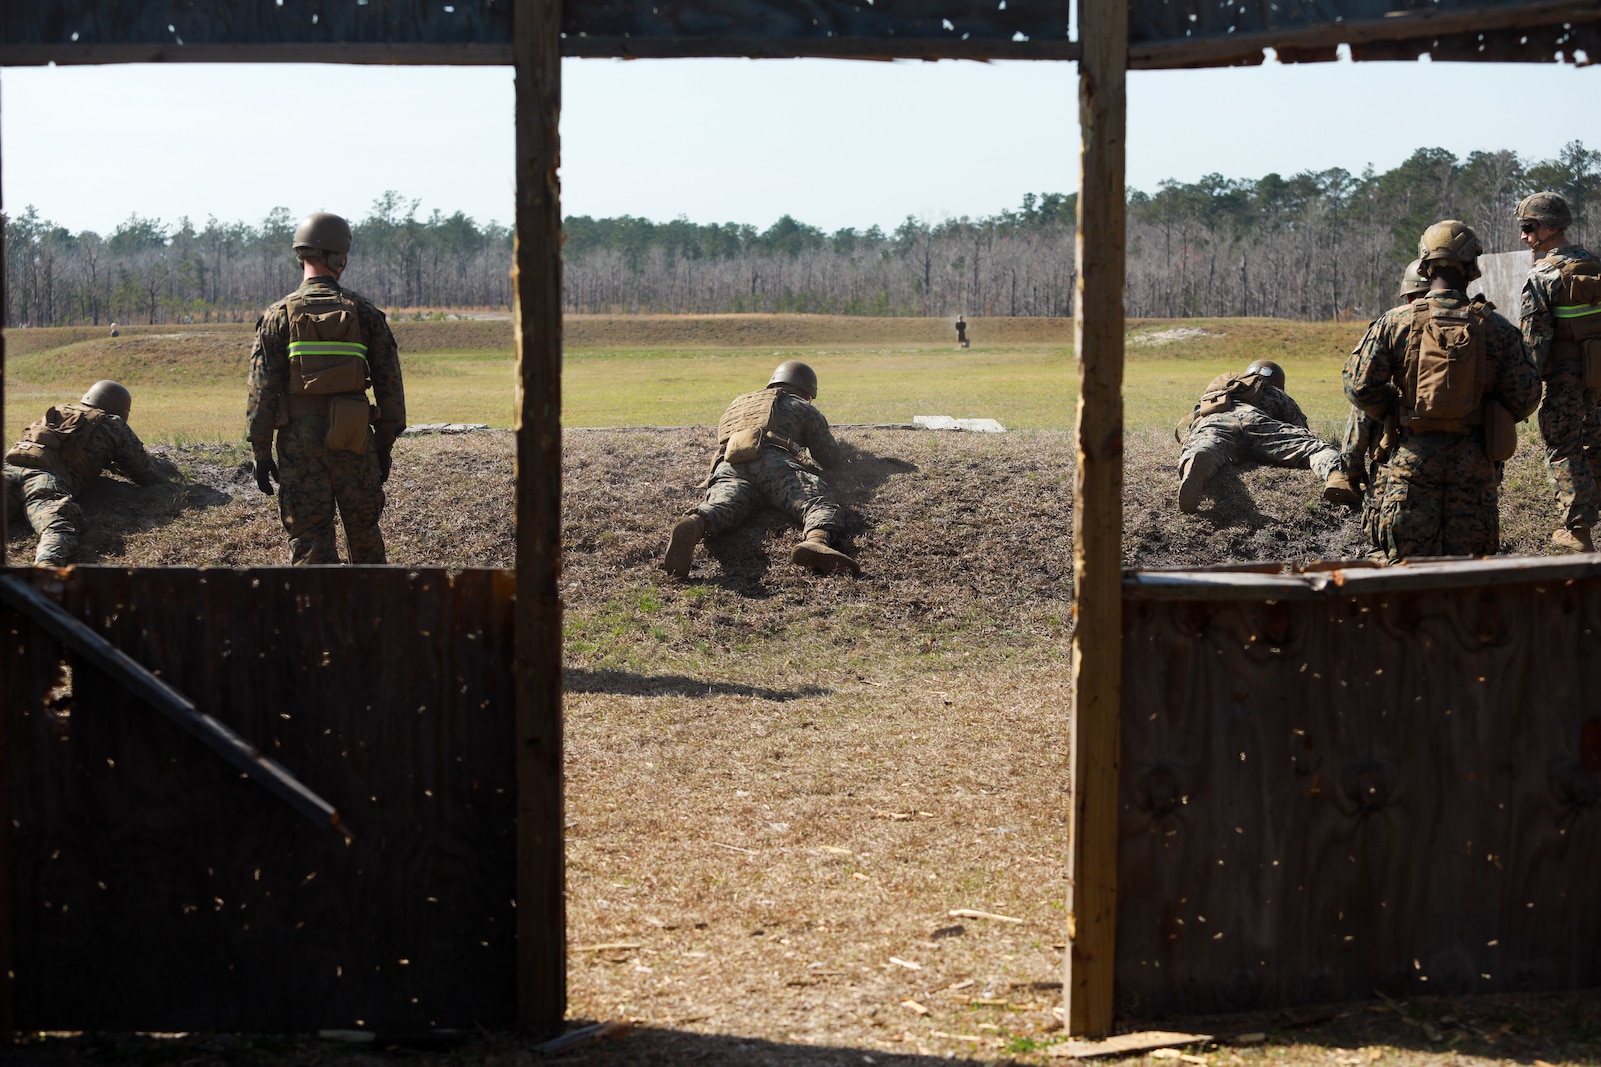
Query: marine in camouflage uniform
{"x": 47, "y": 469}
{"x": 772, "y": 427}
{"x": 316, "y": 480}
{"x": 1258, "y": 421}
{"x": 1439, "y": 492}
{"x": 1364, "y": 448}
{"x": 1570, "y": 413}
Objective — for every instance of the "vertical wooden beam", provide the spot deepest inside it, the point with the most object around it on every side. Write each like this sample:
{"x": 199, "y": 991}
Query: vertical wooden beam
{"x": 536, "y": 286}
{"x": 7, "y": 1020}
{"x": 1097, "y": 519}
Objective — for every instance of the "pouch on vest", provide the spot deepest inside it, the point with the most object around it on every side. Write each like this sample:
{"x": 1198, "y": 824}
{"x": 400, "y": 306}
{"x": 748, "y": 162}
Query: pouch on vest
{"x": 348, "y": 417}
{"x": 1500, "y": 431}
{"x": 1446, "y": 373}
{"x": 326, "y": 352}
{"x": 743, "y": 445}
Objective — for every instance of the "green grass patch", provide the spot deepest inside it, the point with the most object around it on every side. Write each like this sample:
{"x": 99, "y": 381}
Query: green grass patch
{"x": 188, "y": 382}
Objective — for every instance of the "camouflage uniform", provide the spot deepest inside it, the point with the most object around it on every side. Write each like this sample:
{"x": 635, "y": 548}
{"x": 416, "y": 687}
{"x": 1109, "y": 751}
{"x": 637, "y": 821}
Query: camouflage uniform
{"x": 1438, "y": 494}
{"x": 777, "y": 476}
{"x": 45, "y": 494}
{"x": 1570, "y": 419}
{"x": 314, "y": 480}
{"x": 1272, "y": 429}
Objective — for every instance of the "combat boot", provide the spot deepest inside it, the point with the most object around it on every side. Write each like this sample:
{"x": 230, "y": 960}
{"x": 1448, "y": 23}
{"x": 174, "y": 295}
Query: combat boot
{"x": 819, "y": 557}
{"x": 1575, "y": 539}
{"x": 1337, "y": 490}
{"x": 687, "y": 533}
{"x": 1193, "y": 477}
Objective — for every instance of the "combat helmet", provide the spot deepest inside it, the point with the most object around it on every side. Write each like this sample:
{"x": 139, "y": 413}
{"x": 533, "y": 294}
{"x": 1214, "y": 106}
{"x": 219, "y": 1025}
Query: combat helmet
{"x": 111, "y": 397}
{"x": 326, "y": 233}
{"x": 1548, "y": 209}
{"x": 798, "y": 376}
{"x": 1269, "y": 370}
{"x": 1451, "y": 241}
{"x": 1411, "y": 280}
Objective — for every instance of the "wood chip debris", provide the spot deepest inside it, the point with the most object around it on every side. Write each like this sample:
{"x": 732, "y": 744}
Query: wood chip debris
{"x": 1123, "y": 1044}
{"x": 735, "y": 848}
{"x": 973, "y": 913}
{"x": 1175, "y": 1054}
{"x": 587, "y": 1035}
{"x": 976, "y": 1038}
{"x": 609, "y": 946}
{"x": 914, "y": 1006}
{"x": 836, "y": 850}
{"x": 908, "y": 964}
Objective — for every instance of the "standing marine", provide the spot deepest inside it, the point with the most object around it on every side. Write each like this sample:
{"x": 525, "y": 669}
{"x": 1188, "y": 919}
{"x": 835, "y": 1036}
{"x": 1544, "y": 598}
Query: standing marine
{"x": 1560, "y": 314}
{"x": 1366, "y": 448}
{"x": 317, "y": 352}
{"x": 1453, "y": 378}
{"x": 1250, "y": 417}
{"x": 758, "y": 461}
{"x": 61, "y": 454}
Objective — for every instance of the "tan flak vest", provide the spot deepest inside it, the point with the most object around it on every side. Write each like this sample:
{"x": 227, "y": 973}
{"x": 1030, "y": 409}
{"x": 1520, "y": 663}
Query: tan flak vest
{"x": 1577, "y": 315}
{"x": 744, "y": 425}
{"x": 1446, "y": 372}
{"x": 55, "y": 442}
{"x": 327, "y": 365}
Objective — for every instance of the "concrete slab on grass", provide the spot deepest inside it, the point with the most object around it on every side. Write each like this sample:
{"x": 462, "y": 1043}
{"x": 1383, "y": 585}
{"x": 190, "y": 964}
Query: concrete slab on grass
{"x": 945, "y": 422}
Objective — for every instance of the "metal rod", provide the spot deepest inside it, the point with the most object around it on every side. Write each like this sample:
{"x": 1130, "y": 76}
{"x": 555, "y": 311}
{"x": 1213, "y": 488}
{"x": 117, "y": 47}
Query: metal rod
{"x": 123, "y": 669}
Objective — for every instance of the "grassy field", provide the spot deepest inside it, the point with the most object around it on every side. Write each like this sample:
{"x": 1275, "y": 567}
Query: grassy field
{"x": 680, "y": 371}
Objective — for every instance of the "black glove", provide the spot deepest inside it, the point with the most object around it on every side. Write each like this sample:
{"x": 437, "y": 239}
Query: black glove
{"x": 385, "y": 458}
{"x": 266, "y": 471}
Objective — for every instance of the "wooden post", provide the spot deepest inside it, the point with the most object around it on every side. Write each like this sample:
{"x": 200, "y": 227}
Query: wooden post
{"x": 536, "y": 287}
{"x": 1097, "y": 519}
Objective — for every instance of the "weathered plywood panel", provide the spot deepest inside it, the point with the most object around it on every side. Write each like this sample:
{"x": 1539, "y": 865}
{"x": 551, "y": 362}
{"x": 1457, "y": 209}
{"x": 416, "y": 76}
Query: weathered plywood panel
{"x": 156, "y": 889}
{"x": 1329, "y": 796}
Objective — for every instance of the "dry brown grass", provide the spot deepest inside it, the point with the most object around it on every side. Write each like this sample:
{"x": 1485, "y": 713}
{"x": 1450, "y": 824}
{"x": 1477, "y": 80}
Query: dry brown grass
{"x": 780, "y": 785}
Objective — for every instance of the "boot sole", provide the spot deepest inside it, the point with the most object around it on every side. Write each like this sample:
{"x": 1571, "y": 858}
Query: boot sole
{"x": 680, "y": 550}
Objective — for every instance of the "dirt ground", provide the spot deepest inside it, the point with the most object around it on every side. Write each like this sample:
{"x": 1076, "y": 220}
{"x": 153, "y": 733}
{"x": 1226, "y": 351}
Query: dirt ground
{"x": 780, "y": 788}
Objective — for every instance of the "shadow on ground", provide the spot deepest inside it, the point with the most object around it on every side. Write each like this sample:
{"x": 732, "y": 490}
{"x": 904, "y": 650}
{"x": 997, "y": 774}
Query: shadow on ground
{"x": 629, "y": 683}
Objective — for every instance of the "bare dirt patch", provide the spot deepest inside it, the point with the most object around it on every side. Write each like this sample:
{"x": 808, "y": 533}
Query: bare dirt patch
{"x": 780, "y": 786}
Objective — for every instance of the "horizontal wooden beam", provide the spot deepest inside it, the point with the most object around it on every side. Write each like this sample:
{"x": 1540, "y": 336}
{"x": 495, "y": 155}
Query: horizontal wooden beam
{"x": 1418, "y": 26}
{"x": 470, "y": 32}
{"x": 1357, "y": 579}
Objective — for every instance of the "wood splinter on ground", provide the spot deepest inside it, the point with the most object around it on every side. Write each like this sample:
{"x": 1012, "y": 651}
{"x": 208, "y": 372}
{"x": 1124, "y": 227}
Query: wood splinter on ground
{"x": 971, "y": 913}
{"x": 1123, "y": 1044}
{"x": 609, "y": 946}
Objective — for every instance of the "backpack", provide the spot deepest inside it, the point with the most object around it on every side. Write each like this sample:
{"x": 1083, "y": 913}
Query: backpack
{"x": 1447, "y": 371}
{"x": 55, "y": 441}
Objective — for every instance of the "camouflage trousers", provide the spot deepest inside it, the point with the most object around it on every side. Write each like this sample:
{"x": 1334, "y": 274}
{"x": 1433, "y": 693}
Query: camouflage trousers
{"x": 45, "y": 499}
{"x": 314, "y": 480}
{"x": 1438, "y": 495}
{"x": 1244, "y": 433}
{"x": 1570, "y": 425}
{"x": 774, "y": 477}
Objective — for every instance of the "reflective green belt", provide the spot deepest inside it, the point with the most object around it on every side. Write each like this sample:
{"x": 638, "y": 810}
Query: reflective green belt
{"x": 327, "y": 348}
{"x": 1576, "y": 311}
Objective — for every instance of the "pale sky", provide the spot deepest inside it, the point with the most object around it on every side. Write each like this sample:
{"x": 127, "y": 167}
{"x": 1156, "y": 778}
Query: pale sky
{"x": 834, "y": 143}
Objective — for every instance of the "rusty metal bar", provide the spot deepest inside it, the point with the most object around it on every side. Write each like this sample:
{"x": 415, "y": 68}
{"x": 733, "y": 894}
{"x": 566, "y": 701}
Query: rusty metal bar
{"x": 118, "y": 665}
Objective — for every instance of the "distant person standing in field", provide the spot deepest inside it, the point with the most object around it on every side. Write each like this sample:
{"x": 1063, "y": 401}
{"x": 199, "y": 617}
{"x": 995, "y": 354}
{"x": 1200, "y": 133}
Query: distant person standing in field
{"x": 61, "y": 454}
{"x": 1366, "y": 448}
{"x": 759, "y": 441}
{"x": 113, "y": 329}
{"x": 1453, "y": 378}
{"x": 1560, "y": 313}
{"x": 1249, "y": 416}
{"x": 961, "y": 331}
{"x": 317, "y": 352}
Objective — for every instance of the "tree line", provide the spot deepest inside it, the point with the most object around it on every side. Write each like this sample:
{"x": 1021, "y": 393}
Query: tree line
{"x": 1315, "y": 245}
